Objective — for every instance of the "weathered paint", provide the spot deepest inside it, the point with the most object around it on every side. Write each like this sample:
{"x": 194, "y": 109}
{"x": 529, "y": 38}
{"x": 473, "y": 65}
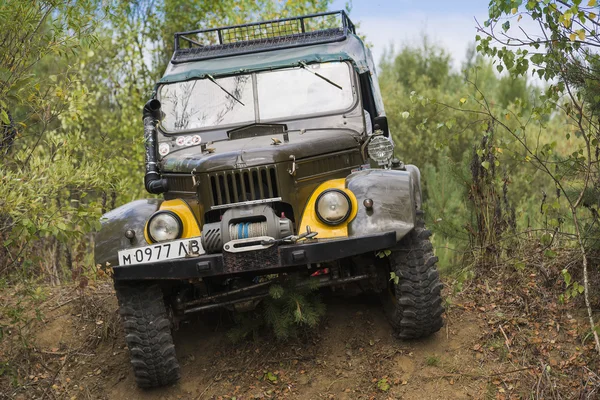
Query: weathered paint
{"x": 111, "y": 237}
{"x": 394, "y": 205}
{"x": 191, "y": 227}
{"x": 227, "y": 154}
{"x": 310, "y": 218}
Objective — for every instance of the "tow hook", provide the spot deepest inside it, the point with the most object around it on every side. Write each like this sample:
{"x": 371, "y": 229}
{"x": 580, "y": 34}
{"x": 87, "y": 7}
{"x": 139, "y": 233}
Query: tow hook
{"x": 292, "y": 238}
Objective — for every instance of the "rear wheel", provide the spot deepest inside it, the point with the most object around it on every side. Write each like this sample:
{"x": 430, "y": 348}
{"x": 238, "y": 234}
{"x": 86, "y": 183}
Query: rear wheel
{"x": 414, "y": 305}
{"x": 148, "y": 334}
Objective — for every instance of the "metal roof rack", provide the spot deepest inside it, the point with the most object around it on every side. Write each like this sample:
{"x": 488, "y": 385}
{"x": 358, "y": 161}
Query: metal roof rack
{"x": 256, "y": 37}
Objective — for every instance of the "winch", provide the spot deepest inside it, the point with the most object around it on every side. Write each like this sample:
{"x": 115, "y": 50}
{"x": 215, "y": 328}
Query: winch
{"x": 245, "y": 230}
{"x": 244, "y": 223}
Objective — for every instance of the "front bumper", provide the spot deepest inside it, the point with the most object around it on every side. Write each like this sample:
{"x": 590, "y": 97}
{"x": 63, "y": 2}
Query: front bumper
{"x": 263, "y": 261}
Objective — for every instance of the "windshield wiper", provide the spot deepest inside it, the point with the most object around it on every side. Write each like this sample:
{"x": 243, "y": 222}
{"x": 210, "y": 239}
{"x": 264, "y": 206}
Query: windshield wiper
{"x": 213, "y": 80}
{"x": 305, "y": 67}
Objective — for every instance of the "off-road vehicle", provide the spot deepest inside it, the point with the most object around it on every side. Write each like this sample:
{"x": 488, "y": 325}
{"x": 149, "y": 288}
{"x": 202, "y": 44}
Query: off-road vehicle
{"x": 270, "y": 147}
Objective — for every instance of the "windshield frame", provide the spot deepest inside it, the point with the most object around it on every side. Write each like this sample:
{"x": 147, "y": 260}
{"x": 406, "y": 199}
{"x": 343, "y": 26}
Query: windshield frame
{"x": 355, "y": 102}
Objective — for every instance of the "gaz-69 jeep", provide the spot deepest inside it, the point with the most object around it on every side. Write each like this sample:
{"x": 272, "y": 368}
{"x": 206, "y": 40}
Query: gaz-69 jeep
{"x": 270, "y": 147}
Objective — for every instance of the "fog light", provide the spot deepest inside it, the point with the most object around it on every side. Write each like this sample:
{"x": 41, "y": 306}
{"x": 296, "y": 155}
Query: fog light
{"x": 380, "y": 150}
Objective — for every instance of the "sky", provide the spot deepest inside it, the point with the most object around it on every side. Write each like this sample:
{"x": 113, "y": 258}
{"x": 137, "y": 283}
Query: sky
{"x": 449, "y": 23}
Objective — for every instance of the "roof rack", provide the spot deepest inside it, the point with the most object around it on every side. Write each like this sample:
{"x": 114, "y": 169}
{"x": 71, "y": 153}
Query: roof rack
{"x": 256, "y": 37}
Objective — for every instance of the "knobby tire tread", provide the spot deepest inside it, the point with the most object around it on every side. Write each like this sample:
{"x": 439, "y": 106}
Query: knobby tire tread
{"x": 416, "y": 310}
{"x": 148, "y": 334}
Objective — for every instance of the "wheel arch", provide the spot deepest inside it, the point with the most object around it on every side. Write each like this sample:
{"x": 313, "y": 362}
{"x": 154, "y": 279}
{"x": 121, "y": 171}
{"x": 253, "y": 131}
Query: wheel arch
{"x": 394, "y": 204}
{"x": 416, "y": 180}
{"x": 111, "y": 236}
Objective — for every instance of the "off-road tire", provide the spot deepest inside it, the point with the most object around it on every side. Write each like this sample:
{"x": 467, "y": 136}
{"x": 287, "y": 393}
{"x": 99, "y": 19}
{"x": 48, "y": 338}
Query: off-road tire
{"x": 414, "y": 305}
{"x": 148, "y": 334}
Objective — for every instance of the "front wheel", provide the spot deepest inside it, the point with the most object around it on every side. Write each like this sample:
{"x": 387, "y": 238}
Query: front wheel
{"x": 414, "y": 305}
{"x": 148, "y": 334}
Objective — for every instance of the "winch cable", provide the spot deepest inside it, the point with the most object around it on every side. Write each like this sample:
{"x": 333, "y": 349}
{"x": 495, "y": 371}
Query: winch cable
{"x": 245, "y": 230}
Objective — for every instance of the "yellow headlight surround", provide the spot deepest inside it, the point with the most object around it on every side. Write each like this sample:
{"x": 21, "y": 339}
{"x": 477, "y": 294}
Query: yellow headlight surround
{"x": 191, "y": 228}
{"x": 310, "y": 217}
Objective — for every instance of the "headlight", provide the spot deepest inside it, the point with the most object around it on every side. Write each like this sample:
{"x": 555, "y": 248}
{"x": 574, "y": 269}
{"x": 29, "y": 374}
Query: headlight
{"x": 380, "y": 150}
{"x": 163, "y": 226}
{"x": 333, "y": 207}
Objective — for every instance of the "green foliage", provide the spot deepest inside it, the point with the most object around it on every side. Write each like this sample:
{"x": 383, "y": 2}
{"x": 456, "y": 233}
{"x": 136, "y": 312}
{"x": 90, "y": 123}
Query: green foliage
{"x": 445, "y": 209}
{"x": 492, "y": 212}
{"x": 16, "y": 318}
{"x": 383, "y": 385}
{"x": 74, "y": 76}
{"x": 296, "y": 307}
{"x": 271, "y": 377}
{"x": 564, "y": 55}
{"x": 288, "y": 309}
{"x": 45, "y": 179}
{"x": 472, "y": 190}
{"x": 562, "y": 58}
{"x": 572, "y": 288}
{"x": 276, "y": 292}
{"x": 432, "y": 360}
{"x": 383, "y": 253}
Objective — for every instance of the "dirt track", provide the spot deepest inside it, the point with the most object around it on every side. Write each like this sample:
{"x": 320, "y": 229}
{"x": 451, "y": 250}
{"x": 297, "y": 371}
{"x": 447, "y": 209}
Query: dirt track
{"x": 80, "y": 354}
{"x": 354, "y": 355}
{"x": 353, "y": 351}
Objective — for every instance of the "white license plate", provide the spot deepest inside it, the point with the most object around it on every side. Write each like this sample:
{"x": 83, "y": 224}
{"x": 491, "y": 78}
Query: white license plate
{"x": 161, "y": 251}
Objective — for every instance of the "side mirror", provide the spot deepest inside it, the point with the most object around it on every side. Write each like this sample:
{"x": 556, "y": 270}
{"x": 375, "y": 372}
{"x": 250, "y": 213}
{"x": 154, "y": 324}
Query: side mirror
{"x": 382, "y": 124}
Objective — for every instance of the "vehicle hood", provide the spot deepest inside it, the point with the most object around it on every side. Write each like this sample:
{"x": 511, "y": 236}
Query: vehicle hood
{"x": 260, "y": 150}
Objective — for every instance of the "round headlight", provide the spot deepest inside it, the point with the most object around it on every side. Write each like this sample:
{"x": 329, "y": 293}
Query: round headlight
{"x": 163, "y": 226}
{"x": 333, "y": 207}
{"x": 380, "y": 150}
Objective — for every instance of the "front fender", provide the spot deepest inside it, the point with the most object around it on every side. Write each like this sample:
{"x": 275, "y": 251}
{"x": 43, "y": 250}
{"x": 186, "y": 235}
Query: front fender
{"x": 111, "y": 237}
{"x": 394, "y": 202}
{"x": 416, "y": 181}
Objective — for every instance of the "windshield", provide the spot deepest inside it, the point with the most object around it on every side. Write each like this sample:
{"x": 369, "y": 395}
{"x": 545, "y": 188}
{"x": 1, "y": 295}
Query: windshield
{"x": 264, "y": 96}
{"x": 202, "y": 103}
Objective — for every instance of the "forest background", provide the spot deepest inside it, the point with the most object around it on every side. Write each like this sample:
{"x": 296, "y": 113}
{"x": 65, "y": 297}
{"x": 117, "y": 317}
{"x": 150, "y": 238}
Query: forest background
{"x": 509, "y": 166}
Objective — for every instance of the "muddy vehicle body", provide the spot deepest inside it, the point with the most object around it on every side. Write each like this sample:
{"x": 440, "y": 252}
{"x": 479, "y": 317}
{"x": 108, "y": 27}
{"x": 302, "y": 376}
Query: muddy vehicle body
{"x": 270, "y": 147}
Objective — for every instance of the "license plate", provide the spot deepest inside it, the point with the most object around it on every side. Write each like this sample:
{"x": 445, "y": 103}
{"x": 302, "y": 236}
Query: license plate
{"x": 161, "y": 251}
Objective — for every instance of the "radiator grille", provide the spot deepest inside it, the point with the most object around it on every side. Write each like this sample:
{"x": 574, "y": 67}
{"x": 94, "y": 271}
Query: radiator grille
{"x": 243, "y": 185}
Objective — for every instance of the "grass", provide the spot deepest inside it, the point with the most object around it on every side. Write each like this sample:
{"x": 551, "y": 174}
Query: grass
{"x": 432, "y": 360}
